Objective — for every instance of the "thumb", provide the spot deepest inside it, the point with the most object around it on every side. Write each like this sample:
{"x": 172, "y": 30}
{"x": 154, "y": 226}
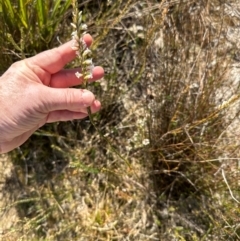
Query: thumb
{"x": 67, "y": 99}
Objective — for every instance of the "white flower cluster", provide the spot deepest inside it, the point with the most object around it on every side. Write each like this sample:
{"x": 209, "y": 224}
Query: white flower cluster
{"x": 84, "y": 54}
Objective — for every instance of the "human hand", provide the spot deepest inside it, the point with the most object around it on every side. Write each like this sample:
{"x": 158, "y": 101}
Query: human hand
{"x": 35, "y": 91}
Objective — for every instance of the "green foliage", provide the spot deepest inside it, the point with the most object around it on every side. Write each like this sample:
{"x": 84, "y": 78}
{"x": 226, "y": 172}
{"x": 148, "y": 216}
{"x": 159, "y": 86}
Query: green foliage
{"x": 28, "y": 27}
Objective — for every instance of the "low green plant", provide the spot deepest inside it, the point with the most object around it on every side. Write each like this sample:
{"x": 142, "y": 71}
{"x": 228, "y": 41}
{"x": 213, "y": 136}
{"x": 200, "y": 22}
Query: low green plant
{"x": 28, "y": 27}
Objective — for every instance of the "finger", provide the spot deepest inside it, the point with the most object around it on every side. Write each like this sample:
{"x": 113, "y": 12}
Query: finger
{"x": 55, "y": 59}
{"x": 16, "y": 142}
{"x": 70, "y": 99}
{"x": 67, "y": 78}
{"x": 65, "y": 115}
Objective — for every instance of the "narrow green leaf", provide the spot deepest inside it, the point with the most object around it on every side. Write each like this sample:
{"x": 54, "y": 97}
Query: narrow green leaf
{"x": 60, "y": 8}
{"x": 23, "y": 13}
{"x": 41, "y": 12}
{"x": 55, "y": 8}
{"x": 8, "y": 9}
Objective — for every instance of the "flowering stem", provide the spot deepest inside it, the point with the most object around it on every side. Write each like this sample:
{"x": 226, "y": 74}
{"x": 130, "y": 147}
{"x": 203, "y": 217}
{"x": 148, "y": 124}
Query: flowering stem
{"x": 83, "y": 53}
{"x": 84, "y": 58}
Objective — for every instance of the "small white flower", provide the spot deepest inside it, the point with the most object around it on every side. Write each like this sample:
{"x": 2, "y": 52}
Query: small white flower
{"x": 83, "y": 43}
{"x": 90, "y": 67}
{"x": 80, "y": 15}
{"x": 86, "y": 52}
{"x": 74, "y": 33}
{"x": 84, "y": 26}
{"x": 83, "y": 33}
{"x": 78, "y": 75}
{"x": 88, "y": 76}
{"x": 145, "y": 142}
{"x": 74, "y": 25}
{"x": 75, "y": 37}
{"x": 87, "y": 62}
{"x": 79, "y": 18}
{"x": 75, "y": 45}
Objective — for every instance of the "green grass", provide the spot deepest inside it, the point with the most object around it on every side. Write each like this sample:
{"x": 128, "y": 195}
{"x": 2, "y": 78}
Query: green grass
{"x": 28, "y": 27}
{"x": 170, "y": 79}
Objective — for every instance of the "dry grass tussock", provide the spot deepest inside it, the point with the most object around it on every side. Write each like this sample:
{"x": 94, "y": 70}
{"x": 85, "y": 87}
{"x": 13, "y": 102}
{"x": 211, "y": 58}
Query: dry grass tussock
{"x": 167, "y": 167}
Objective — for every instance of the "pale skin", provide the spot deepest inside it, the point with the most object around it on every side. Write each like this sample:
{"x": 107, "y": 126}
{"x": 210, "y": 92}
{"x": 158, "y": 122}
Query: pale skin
{"x": 36, "y": 91}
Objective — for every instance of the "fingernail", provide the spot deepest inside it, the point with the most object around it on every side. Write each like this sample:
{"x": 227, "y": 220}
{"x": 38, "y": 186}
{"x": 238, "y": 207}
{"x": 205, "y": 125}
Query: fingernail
{"x": 97, "y": 103}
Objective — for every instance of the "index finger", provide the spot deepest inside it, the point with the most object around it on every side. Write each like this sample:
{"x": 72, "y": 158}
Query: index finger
{"x": 55, "y": 59}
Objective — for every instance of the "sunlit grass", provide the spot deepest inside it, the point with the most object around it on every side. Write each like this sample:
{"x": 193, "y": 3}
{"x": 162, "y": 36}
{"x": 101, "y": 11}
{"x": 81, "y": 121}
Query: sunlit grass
{"x": 28, "y": 27}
